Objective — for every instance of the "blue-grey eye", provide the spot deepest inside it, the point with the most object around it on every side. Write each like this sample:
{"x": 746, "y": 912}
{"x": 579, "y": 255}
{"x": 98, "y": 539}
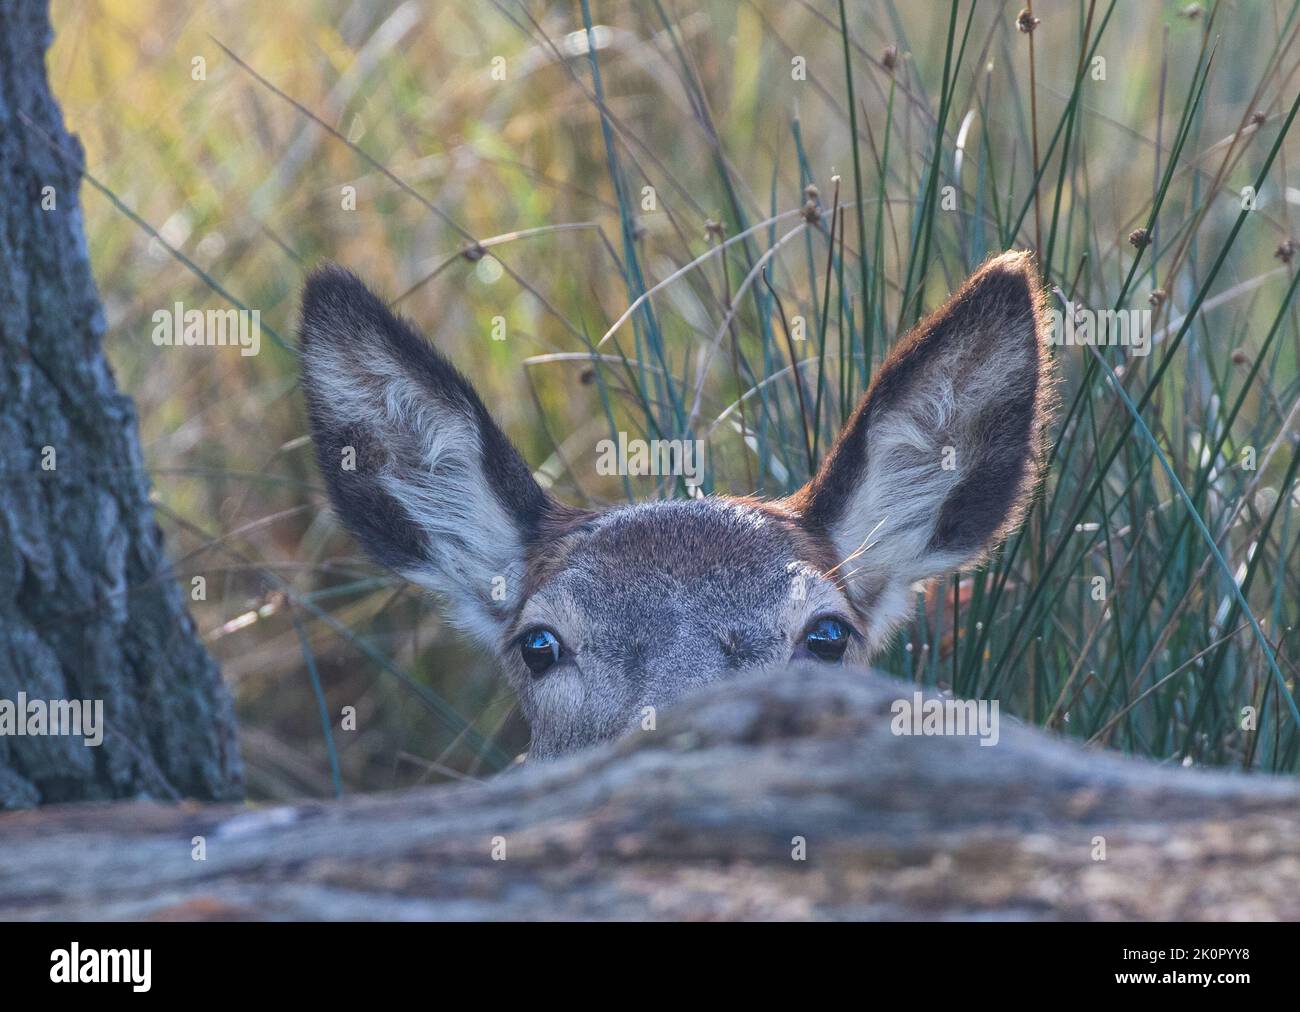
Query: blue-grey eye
{"x": 827, "y": 638}
{"x": 540, "y": 649}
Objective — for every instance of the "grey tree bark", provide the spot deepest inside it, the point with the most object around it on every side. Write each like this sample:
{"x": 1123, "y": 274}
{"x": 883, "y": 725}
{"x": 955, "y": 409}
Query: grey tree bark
{"x": 782, "y": 796}
{"x": 88, "y": 607}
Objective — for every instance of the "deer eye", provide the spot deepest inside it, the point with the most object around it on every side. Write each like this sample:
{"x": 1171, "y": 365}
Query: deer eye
{"x": 540, "y": 648}
{"x": 827, "y": 638}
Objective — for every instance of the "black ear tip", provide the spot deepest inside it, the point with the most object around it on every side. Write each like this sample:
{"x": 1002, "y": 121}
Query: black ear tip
{"x": 328, "y": 279}
{"x": 1007, "y": 286}
{"x": 1013, "y": 272}
{"x": 331, "y": 293}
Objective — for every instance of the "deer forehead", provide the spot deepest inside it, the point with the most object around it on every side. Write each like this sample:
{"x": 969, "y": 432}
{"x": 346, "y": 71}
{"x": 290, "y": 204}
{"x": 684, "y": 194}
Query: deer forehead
{"x": 719, "y": 564}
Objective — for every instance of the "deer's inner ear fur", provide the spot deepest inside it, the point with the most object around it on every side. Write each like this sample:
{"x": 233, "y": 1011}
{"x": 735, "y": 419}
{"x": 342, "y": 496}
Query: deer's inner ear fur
{"x": 937, "y": 463}
{"x": 415, "y": 466}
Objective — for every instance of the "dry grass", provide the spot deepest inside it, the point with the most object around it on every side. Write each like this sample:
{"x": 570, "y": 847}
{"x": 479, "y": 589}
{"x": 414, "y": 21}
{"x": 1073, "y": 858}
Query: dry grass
{"x": 701, "y": 105}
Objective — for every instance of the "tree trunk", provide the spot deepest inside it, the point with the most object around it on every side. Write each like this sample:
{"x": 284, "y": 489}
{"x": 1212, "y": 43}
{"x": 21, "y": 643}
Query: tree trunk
{"x": 707, "y": 817}
{"x": 88, "y": 607}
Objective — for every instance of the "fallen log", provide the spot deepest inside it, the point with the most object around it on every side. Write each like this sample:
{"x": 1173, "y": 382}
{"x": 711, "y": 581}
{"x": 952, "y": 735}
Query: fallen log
{"x": 784, "y": 796}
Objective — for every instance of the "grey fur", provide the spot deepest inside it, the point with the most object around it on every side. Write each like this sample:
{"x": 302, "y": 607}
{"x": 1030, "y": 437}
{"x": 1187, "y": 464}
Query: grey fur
{"x": 655, "y": 599}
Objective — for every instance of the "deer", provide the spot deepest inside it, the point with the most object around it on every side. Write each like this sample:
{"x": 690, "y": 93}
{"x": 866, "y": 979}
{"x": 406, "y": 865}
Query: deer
{"x": 595, "y": 614}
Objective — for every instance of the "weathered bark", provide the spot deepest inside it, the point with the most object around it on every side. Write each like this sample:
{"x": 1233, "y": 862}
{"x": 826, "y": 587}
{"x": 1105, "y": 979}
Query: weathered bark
{"x": 88, "y": 609}
{"x": 698, "y": 820}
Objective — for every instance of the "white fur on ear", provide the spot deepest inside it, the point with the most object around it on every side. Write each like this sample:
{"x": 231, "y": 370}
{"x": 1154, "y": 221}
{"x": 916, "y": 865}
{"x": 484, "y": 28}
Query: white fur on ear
{"x": 434, "y": 490}
{"x": 938, "y": 462}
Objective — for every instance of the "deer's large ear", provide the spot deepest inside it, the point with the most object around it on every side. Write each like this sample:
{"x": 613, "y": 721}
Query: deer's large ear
{"x": 937, "y": 463}
{"x": 415, "y": 466}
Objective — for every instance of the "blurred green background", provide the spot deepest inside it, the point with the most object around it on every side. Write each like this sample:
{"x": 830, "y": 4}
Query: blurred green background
{"x": 459, "y": 123}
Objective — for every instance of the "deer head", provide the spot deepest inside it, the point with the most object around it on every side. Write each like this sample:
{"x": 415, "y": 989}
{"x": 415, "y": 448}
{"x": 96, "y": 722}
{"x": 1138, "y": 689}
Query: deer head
{"x": 596, "y": 615}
